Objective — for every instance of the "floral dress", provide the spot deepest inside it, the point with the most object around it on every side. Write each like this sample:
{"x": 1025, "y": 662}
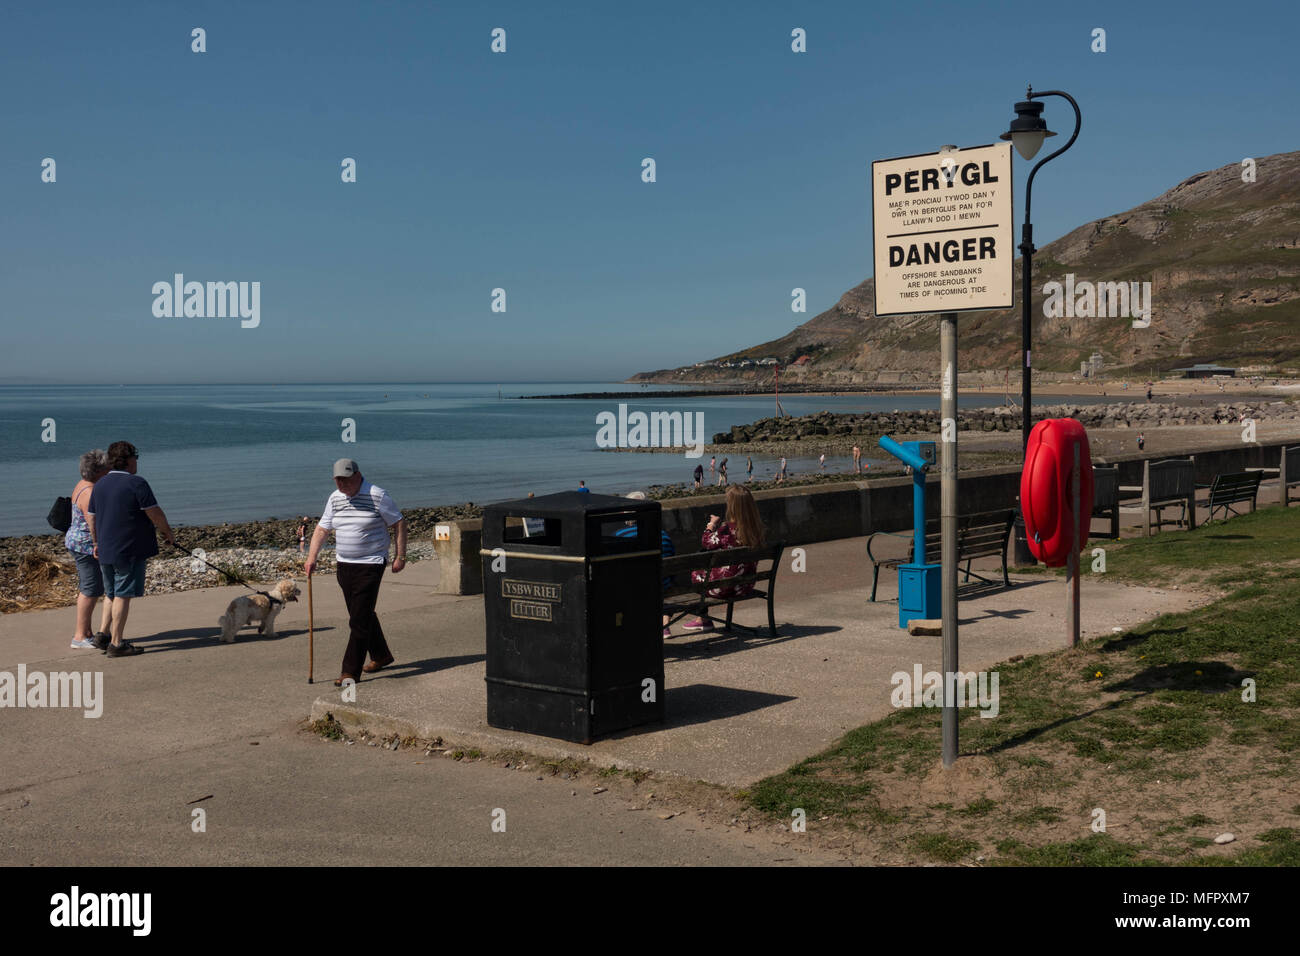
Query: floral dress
{"x": 78, "y": 539}
{"x": 724, "y": 537}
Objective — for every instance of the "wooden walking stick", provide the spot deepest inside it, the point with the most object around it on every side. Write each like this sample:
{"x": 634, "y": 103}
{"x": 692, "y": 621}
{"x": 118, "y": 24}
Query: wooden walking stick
{"x": 311, "y": 636}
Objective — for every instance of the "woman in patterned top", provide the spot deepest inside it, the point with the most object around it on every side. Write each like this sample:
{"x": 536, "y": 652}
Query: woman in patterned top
{"x": 90, "y": 581}
{"x": 742, "y": 529}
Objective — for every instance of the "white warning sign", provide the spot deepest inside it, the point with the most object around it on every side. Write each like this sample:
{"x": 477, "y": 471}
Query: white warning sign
{"x": 943, "y": 231}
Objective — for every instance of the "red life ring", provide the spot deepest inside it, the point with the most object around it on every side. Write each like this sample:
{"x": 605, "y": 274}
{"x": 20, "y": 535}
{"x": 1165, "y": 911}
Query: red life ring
{"x": 1045, "y": 489}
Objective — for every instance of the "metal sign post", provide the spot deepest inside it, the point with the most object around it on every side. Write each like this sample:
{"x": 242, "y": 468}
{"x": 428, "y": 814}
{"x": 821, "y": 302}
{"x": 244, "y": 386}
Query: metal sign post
{"x": 942, "y": 243}
{"x": 1072, "y": 562}
{"x": 948, "y": 524}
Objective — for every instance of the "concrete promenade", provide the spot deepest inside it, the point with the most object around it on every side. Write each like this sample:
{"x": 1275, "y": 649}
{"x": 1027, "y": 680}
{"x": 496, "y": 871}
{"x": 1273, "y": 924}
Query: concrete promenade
{"x": 193, "y": 718}
{"x": 739, "y": 708}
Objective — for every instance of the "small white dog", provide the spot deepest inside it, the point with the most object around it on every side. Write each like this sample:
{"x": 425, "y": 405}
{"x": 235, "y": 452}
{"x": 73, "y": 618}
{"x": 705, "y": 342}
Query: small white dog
{"x": 256, "y": 609}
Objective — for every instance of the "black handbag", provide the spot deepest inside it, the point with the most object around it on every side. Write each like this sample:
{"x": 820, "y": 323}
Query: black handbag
{"x": 60, "y": 516}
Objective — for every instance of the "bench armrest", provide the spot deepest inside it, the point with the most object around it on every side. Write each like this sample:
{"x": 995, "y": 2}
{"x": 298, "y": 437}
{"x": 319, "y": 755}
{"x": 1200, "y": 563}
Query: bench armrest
{"x": 890, "y": 534}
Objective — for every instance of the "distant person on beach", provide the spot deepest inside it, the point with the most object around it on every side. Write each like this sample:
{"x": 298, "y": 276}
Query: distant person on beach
{"x": 1142, "y": 441}
{"x": 302, "y": 534}
{"x": 582, "y": 486}
{"x": 749, "y": 468}
{"x": 90, "y": 580}
{"x": 360, "y": 515}
{"x": 857, "y": 459}
{"x": 1148, "y": 394}
{"x": 741, "y": 529}
{"x": 780, "y": 475}
{"x": 699, "y": 476}
{"x": 722, "y": 472}
{"x": 713, "y": 464}
{"x": 122, "y": 514}
{"x": 822, "y": 461}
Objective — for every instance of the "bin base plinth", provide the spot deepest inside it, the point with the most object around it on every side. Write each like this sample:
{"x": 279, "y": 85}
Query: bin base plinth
{"x": 576, "y": 716}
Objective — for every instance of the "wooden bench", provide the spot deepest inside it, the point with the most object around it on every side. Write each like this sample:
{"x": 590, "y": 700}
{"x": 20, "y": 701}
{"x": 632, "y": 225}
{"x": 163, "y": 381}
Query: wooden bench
{"x": 1105, "y": 498}
{"x": 979, "y": 535}
{"x": 1288, "y": 473}
{"x": 1165, "y": 484}
{"x": 686, "y": 596}
{"x": 1233, "y": 489}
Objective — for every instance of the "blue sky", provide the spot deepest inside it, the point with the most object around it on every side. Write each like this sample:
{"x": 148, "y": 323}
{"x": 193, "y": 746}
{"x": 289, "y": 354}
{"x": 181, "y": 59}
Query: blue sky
{"x": 522, "y": 170}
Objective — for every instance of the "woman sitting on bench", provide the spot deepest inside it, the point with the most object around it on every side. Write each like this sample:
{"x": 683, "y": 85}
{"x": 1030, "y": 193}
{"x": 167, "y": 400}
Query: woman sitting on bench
{"x": 742, "y": 529}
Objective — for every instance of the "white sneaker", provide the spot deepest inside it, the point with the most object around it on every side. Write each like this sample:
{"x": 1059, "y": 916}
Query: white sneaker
{"x": 82, "y": 642}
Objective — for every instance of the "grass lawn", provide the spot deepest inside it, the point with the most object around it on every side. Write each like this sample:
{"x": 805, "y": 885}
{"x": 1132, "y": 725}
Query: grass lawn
{"x": 1148, "y": 727}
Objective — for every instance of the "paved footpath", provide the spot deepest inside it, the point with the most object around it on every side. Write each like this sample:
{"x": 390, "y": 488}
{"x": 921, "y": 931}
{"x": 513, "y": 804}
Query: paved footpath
{"x": 193, "y": 718}
{"x": 740, "y": 709}
{"x": 196, "y": 723}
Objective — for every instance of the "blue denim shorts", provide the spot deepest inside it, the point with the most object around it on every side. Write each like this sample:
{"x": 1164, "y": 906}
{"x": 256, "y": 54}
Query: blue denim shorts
{"x": 124, "y": 580}
{"x": 90, "y": 580}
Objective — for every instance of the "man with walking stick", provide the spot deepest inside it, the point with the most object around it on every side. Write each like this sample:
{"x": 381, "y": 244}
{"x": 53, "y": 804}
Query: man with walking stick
{"x": 360, "y": 515}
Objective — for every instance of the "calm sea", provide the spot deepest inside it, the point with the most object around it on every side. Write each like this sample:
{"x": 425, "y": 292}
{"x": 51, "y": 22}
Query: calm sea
{"x": 215, "y": 453}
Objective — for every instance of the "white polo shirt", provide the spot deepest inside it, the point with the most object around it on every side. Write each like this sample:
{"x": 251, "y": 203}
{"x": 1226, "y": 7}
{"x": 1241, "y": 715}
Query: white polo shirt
{"x": 360, "y": 524}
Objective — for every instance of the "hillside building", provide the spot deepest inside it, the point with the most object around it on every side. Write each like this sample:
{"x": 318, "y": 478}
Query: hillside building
{"x": 1207, "y": 371}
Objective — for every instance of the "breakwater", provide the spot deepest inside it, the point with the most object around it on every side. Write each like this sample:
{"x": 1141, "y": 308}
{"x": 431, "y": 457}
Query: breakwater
{"x": 1002, "y": 418}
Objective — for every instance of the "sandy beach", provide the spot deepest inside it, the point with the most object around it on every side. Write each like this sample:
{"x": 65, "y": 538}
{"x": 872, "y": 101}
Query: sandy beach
{"x": 1132, "y": 389}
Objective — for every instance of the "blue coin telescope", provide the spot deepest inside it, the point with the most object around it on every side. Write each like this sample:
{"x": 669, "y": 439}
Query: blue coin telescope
{"x": 918, "y": 583}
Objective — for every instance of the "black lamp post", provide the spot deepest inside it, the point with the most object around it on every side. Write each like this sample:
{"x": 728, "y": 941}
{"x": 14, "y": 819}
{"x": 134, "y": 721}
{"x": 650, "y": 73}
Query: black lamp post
{"x": 1027, "y": 132}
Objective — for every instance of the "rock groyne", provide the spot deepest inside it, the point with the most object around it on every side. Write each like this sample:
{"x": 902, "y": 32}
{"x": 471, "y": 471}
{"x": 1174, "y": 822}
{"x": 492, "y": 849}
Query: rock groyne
{"x": 1003, "y": 418}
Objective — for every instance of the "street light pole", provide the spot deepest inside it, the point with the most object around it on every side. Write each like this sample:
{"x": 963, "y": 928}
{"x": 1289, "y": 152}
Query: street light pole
{"x": 1027, "y": 132}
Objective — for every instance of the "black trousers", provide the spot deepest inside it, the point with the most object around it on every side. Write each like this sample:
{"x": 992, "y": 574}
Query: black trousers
{"x": 360, "y": 586}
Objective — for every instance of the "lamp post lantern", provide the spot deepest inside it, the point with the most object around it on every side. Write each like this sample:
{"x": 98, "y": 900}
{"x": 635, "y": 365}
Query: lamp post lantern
{"x": 1027, "y": 133}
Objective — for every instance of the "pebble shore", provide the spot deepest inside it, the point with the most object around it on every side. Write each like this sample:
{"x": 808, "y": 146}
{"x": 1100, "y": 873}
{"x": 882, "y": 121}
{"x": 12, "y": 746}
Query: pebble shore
{"x": 56, "y": 584}
{"x": 37, "y": 571}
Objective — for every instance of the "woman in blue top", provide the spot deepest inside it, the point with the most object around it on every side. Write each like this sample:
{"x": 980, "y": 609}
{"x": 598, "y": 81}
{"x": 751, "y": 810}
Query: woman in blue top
{"x": 90, "y": 582}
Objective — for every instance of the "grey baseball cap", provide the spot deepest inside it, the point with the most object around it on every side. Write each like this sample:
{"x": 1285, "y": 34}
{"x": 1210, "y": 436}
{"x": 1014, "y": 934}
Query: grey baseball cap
{"x": 345, "y": 468}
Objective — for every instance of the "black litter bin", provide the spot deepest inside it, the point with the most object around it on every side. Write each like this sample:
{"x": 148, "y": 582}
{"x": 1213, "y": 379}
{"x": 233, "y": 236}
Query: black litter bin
{"x": 573, "y": 599}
